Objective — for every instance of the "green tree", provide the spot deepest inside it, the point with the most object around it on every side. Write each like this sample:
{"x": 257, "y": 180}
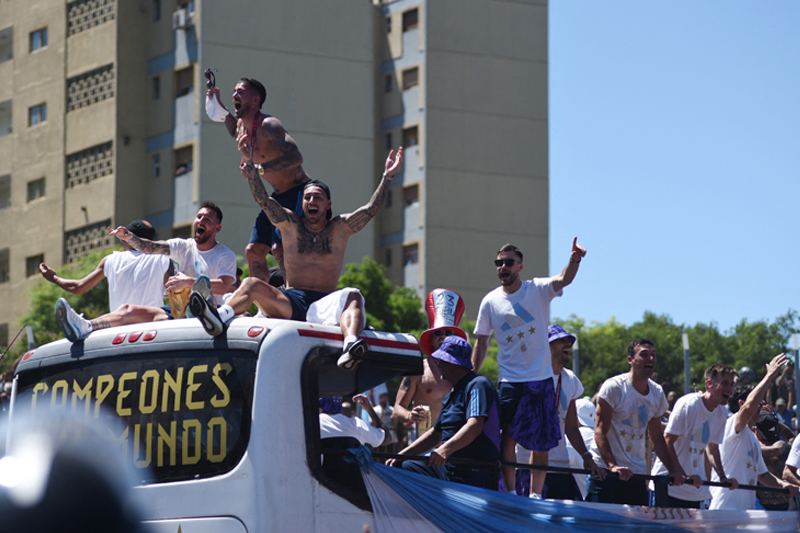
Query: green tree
{"x": 388, "y": 309}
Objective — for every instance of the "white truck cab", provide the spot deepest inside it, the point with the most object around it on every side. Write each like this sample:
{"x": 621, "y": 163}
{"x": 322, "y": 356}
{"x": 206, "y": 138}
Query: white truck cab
{"x": 223, "y": 431}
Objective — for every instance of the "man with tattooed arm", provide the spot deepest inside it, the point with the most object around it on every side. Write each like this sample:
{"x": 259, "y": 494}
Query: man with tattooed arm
{"x": 274, "y": 154}
{"x": 313, "y": 255}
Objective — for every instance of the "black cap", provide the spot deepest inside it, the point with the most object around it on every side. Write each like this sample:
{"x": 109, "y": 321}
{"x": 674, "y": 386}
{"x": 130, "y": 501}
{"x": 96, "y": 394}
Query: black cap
{"x": 142, "y": 229}
{"x": 768, "y": 426}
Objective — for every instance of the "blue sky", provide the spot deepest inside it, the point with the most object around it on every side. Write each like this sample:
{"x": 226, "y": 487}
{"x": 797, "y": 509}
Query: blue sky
{"x": 675, "y": 158}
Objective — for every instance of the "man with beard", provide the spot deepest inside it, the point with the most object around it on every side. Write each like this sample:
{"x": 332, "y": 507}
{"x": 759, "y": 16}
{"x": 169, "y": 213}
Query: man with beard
{"x": 313, "y": 256}
{"x": 199, "y": 257}
{"x": 518, "y": 312}
{"x": 264, "y": 142}
{"x": 694, "y": 431}
{"x": 629, "y": 406}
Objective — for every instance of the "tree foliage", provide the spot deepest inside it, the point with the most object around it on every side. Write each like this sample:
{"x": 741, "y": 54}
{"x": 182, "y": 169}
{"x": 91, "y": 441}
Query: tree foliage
{"x": 603, "y": 346}
{"x": 397, "y": 309}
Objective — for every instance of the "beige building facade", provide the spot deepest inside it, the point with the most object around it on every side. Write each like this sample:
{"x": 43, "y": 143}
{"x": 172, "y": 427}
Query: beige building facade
{"x": 102, "y": 122}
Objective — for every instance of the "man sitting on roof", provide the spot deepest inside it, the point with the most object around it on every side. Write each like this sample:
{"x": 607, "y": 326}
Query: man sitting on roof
{"x": 468, "y": 427}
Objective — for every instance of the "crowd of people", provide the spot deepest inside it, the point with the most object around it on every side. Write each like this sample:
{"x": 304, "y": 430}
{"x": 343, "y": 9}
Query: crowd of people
{"x": 536, "y": 414}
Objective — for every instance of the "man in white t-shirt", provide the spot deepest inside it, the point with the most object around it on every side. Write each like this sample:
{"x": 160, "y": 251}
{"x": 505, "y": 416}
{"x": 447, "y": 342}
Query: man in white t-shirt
{"x": 790, "y": 473}
{"x": 199, "y": 256}
{"x": 561, "y": 485}
{"x": 695, "y": 428}
{"x": 740, "y": 450}
{"x": 628, "y": 407}
{"x": 518, "y": 312}
{"x": 133, "y": 277}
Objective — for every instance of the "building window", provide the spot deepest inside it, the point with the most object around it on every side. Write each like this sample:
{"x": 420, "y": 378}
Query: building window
{"x": 156, "y": 165}
{"x": 90, "y": 88}
{"x": 81, "y": 241}
{"x": 183, "y": 161}
{"x": 388, "y": 260}
{"x": 86, "y": 14}
{"x": 156, "y": 10}
{"x": 7, "y": 44}
{"x": 184, "y": 81}
{"x": 38, "y": 39}
{"x": 37, "y": 114}
{"x": 36, "y": 189}
{"x": 410, "y": 254}
{"x": 410, "y": 195}
{"x": 389, "y": 24}
{"x": 410, "y": 78}
{"x": 32, "y": 265}
{"x": 4, "y": 270}
{"x": 5, "y": 191}
{"x": 389, "y": 141}
{"x": 387, "y": 86}
{"x": 183, "y": 232}
{"x": 388, "y": 202}
{"x": 5, "y": 118}
{"x": 90, "y": 164}
{"x": 410, "y": 19}
{"x": 155, "y": 87}
{"x": 410, "y": 137}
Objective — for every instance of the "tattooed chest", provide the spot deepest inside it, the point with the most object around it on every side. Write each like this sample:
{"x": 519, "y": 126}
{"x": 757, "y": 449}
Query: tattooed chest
{"x": 308, "y": 244}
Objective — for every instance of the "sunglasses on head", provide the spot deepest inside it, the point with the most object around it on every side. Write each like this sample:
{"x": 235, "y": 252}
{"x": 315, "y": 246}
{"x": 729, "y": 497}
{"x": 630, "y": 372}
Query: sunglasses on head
{"x": 443, "y": 333}
{"x": 506, "y": 262}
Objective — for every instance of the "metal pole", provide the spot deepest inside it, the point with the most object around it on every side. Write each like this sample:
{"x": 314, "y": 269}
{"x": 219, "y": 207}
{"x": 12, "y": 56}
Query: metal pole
{"x": 796, "y": 370}
{"x": 686, "y": 363}
{"x": 31, "y": 346}
{"x": 576, "y": 361}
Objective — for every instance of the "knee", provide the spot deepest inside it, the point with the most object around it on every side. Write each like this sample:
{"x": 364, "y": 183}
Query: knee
{"x": 125, "y": 309}
{"x": 256, "y": 251}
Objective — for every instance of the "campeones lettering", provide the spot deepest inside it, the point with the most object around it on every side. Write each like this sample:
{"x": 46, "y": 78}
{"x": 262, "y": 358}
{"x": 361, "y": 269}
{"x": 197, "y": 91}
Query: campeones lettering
{"x": 178, "y": 413}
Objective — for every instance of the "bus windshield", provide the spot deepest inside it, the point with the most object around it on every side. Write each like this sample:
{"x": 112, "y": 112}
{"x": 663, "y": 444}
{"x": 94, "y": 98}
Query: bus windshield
{"x": 185, "y": 414}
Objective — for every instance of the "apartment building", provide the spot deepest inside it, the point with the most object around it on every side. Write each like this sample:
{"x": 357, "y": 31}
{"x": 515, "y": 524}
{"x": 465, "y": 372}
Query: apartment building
{"x": 102, "y": 122}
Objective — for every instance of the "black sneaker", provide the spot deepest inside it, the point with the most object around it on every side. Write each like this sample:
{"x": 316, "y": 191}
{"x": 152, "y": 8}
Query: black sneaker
{"x": 207, "y": 314}
{"x": 352, "y": 355}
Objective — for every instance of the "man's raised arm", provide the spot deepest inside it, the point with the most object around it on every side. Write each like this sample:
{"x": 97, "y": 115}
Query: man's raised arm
{"x": 137, "y": 243}
{"x": 230, "y": 121}
{"x": 276, "y": 213}
{"x": 568, "y": 274}
{"x": 356, "y": 220}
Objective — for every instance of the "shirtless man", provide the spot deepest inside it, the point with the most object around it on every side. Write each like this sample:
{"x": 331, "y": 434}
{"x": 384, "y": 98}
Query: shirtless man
{"x": 313, "y": 254}
{"x": 444, "y": 308}
{"x": 265, "y": 143}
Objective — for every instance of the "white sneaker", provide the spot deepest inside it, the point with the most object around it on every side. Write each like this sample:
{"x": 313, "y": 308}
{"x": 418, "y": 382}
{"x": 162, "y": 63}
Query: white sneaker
{"x": 534, "y": 496}
{"x": 76, "y": 328}
{"x": 207, "y": 314}
{"x": 352, "y": 355}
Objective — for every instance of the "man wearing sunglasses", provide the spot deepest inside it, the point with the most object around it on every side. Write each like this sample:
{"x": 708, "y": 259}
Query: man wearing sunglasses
{"x": 519, "y": 312}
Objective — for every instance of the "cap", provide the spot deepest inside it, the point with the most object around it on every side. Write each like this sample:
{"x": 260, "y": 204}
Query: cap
{"x": 555, "y": 332}
{"x": 780, "y": 401}
{"x": 768, "y": 426}
{"x": 142, "y": 229}
{"x": 747, "y": 373}
{"x": 331, "y": 404}
{"x": 444, "y": 308}
{"x": 586, "y": 410}
{"x": 455, "y": 350}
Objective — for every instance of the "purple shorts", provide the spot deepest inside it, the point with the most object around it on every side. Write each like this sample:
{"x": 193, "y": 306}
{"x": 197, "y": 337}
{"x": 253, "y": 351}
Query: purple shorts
{"x": 535, "y": 422}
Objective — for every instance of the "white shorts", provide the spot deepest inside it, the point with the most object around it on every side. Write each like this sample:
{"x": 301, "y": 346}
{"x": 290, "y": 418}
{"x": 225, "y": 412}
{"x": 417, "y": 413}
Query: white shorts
{"x": 328, "y": 310}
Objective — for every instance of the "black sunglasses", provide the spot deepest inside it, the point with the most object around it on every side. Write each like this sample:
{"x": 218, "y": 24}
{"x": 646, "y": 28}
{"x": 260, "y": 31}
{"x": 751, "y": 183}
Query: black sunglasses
{"x": 507, "y": 262}
{"x": 443, "y": 332}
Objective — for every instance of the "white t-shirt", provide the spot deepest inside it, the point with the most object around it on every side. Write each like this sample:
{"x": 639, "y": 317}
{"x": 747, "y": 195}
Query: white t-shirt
{"x": 741, "y": 460}
{"x": 576, "y": 461}
{"x": 135, "y": 278}
{"x": 214, "y": 263}
{"x": 794, "y": 454}
{"x": 696, "y": 427}
{"x": 340, "y": 425}
{"x": 519, "y": 322}
{"x": 632, "y": 412}
{"x": 571, "y": 389}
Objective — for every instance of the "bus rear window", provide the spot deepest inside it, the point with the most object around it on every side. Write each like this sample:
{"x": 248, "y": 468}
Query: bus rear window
{"x": 185, "y": 414}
